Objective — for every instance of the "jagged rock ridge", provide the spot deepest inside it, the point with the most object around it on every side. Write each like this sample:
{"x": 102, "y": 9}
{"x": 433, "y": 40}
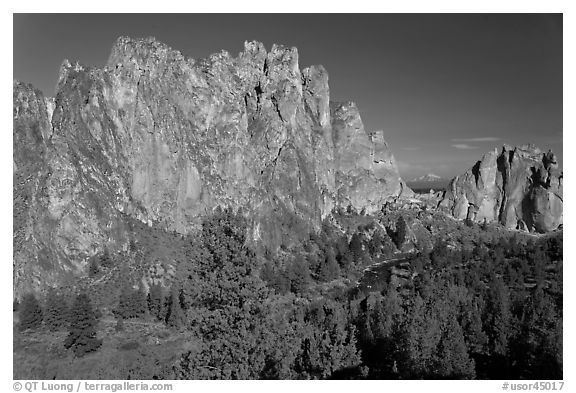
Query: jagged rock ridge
{"x": 164, "y": 139}
{"x": 519, "y": 187}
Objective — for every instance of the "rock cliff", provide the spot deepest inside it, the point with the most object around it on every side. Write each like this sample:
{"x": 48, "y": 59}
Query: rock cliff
{"x": 164, "y": 139}
{"x": 519, "y": 187}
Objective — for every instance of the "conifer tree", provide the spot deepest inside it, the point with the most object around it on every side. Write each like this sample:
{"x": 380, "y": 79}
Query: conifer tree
{"x": 356, "y": 247}
{"x": 268, "y": 273}
{"x": 452, "y": 359}
{"x": 175, "y": 316}
{"x": 132, "y": 303}
{"x": 156, "y": 302}
{"x": 105, "y": 260}
{"x": 119, "y": 324}
{"x": 93, "y": 268}
{"x": 55, "y": 315}
{"x": 497, "y": 316}
{"x": 375, "y": 243}
{"x": 345, "y": 258}
{"x": 124, "y": 308}
{"x": 139, "y": 306}
{"x": 82, "y": 331}
{"x": 30, "y": 313}
{"x": 281, "y": 283}
{"x": 401, "y": 231}
{"x": 329, "y": 270}
{"x": 299, "y": 275}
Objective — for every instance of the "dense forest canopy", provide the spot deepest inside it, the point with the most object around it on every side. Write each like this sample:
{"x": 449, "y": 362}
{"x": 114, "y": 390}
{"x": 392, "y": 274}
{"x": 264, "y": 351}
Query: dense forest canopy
{"x": 484, "y": 306}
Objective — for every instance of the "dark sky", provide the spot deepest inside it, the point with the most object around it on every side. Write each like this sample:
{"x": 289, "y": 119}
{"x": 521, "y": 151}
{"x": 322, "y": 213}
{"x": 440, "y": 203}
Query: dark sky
{"x": 446, "y": 88}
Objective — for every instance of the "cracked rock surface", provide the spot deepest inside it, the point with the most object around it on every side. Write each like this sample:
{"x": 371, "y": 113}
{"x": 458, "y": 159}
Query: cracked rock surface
{"x": 164, "y": 139}
{"x": 519, "y": 187}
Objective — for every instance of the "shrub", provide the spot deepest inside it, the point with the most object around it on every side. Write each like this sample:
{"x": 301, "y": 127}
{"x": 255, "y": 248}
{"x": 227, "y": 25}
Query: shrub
{"x": 30, "y": 313}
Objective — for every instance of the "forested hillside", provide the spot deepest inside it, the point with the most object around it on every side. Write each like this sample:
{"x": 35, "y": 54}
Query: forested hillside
{"x": 470, "y": 306}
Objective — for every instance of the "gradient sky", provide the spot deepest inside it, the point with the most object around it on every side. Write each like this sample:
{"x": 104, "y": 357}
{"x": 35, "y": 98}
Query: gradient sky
{"x": 445, "y": 88}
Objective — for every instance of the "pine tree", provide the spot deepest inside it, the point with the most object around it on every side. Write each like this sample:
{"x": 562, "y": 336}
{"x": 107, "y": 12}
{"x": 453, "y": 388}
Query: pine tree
{"x": 268, "y": 273}
{"x": 82, "y": 331}
{"x": 497, "y": 316}
{"x": 375, "y": 244}
{"x": 345, "y": 259}
{"x": 175, "y": 315}
{"x": 30, "y": 313}
{"x": 93, "y": 268}
{"x": 132, "y": 303}
{"x": 55, "y": 314}
{"x": 299, "y": 275}
{"x": 124, "y": 308}
{"x": 329, "y": 270}
{"x": 401, "y": 232}
{"x": 439, "y": 255}
{"x": 156, "y": 302}
{"x": 356, "y": 247}
{"x": 119, "y": 324}
{"x": 229, "y": 272}
{"x": 133, "y": 246}
{"x": 329, "y": 342}
{"x": 281, "y": 282}
{"x": 105, "y": 260}
{"x": 452, "y": 359}
{"x": 138, "y": 300}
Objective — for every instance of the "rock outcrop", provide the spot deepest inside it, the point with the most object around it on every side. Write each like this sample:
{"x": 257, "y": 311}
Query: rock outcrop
{"x": 519, "y": 187}
{"x": 164, "y": 139}
{"x": 366, "y": 172}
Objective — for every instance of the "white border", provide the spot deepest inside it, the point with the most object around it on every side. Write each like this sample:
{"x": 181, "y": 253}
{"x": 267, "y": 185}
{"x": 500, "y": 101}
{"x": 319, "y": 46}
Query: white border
{"x": 358, "y": 6}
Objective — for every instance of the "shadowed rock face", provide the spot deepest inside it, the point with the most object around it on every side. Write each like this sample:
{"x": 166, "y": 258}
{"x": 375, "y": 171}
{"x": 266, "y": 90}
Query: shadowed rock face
{"x": 366, "y": 170}
{"x": 31, "y": 134}
{"x": 519, "y": 187}
{"x": 165, "y": 139}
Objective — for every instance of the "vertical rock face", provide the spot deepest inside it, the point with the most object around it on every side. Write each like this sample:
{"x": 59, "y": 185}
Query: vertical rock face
{"x": 519, "y": 187}
{"x": 366, "y": 170}
{"x": 31, "y": 133}
{"x": 165, "y": 139}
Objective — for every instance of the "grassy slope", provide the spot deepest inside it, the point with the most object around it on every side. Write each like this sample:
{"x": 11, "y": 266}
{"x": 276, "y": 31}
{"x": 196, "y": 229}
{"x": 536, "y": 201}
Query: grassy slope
{"x": 142, "y": 351}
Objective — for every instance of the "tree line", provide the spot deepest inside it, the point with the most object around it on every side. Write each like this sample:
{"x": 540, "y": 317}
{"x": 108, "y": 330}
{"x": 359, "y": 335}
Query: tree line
{"x": 491, "y": 312}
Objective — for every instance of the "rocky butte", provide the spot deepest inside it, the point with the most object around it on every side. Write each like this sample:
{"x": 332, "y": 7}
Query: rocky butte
{"x": 161, "y": 138}
{"x": 520, "y": 187}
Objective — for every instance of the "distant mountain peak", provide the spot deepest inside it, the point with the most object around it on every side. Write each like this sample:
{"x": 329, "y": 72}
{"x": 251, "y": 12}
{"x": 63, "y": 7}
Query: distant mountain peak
{"x": 427, "y": 177}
